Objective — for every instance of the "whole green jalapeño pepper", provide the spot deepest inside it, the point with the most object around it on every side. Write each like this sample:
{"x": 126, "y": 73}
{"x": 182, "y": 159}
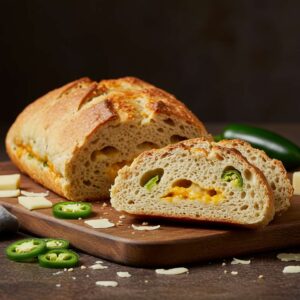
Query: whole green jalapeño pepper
{"x": 233, "y": 176}
{"x": 275, "y": 145}
{"x": 58, "y": 259}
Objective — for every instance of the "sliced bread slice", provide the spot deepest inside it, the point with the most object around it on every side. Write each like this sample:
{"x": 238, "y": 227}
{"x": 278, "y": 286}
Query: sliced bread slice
{"x": 273, "y": 170}
{"x": 195, "y": 180}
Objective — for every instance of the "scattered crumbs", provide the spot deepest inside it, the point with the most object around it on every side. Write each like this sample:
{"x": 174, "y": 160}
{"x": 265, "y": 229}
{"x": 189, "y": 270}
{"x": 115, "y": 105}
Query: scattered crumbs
{"x": 124, "y": 274}
{"x": 104, "y": 204}
{"x": 260, "y": 277}
{"x": 135, "y": 227}
{"x": 98, "y": 267}
{"x": 223, "y": 264}
{"x": 119, "y": 223}
{"x": 79, "y": 218}
{"x": 146, "y": 281}
{"x": 70, "y": 270}
{"x": 291, "y": 269}
{"x": 289, "y": 256}
{"x": 98, "y": 262}
{"x": 236, "y": 261}
{"x": 99, "y": 223}
{"x": 145, "y": 223}
{"x": 107, "y": 283}
{"x": 74, "y": 278}
{"x": 225, "y": 271}
{"x": 83, "y": 267}
{"x": 105, "y": 213}
{"x": 58, "y": 285}
{"x": 122, "y": 217}
{"x": 234, "y": 272}
{"x": 87, "y": 275}
{"x": 174, "y": 271}
{"x": 57, "y": 273}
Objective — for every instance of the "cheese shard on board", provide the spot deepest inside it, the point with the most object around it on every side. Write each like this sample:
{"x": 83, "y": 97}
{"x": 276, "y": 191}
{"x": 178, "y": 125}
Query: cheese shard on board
{"x": 99, "y": 223}
{"x": 107, "y": 283}
{"x": 32, "y": 203}
{"x": 291, "y": 269}
{"x": 174, "y": 271}
{"x": 9, "y": 193}
{"x": 135, "y": 227}
{"x": 10, "y": 182}
{"x": 296, "y": 183}
{"x": 124, "y": 274}
{"x": 236, "y": 261}
{"x": 289, "y": 256}
{"x": 33, "y": 194}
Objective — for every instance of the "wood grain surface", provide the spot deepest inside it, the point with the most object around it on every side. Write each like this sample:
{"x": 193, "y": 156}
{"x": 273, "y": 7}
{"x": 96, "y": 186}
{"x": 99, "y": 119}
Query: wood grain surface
{"x": 172, "y": 244}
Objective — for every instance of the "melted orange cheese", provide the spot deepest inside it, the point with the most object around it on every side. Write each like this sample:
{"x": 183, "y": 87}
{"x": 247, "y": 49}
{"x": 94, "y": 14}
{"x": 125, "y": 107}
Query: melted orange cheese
{"x": 112, "y": 170}
{"x": 194, "y": 192}
{"x": 27, "y": 150}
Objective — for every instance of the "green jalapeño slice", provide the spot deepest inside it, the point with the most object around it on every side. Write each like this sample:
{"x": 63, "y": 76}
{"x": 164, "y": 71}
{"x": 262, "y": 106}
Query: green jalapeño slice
{"x": 52, "y": 244}
{"x": 152, "y": 183}
{"x": 72, "y": 210}
{"x": 25, "y": 250}
{"x": 233, "y": 176}
{"x": 58, "y": 259}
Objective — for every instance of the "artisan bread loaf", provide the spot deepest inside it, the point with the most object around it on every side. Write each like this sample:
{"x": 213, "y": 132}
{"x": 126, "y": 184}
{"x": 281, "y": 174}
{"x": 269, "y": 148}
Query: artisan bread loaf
{"x": 74, "y": 139}
{"x": 195, "y": 180}
{"x": 273, "y": 170}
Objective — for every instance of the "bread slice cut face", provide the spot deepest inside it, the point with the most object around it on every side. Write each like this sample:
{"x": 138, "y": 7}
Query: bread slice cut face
{"x": 74, "y": 139}
{"x": 273, "y": 170}
{"x": 194, "y": 180}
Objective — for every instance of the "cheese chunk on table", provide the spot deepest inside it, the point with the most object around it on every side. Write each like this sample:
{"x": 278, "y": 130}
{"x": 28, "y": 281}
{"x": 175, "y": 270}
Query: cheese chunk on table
{"x": 10, "y": 182}
{"x": 9, "y": 193}
{"x": 32, "y": 203}
{"x": 296, "y": 183}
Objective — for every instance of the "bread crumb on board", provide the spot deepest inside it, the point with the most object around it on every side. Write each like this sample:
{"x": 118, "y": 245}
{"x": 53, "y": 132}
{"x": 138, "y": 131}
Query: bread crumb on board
{"x": 173, "y": 271}
{"x": 234, "y": 273}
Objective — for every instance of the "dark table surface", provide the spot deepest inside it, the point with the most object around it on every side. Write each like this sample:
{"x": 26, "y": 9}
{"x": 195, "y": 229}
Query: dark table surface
{"x": 204, "y": 281}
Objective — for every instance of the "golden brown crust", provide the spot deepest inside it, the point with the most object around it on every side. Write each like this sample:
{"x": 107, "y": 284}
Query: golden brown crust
{"x": 56, "y": 125}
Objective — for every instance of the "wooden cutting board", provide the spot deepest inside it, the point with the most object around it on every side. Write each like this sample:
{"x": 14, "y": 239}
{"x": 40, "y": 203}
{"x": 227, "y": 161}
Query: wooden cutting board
{"x": 172, "y": 244}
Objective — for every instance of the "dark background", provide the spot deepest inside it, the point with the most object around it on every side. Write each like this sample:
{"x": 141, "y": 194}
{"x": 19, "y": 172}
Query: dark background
{"x": 227, "y": 60}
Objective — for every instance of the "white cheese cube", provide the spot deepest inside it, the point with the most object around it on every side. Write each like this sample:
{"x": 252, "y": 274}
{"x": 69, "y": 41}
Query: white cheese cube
{"x": 296, "y": 183}
{"x": 10, "y": 182}
{"x": 32, "y": 203}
